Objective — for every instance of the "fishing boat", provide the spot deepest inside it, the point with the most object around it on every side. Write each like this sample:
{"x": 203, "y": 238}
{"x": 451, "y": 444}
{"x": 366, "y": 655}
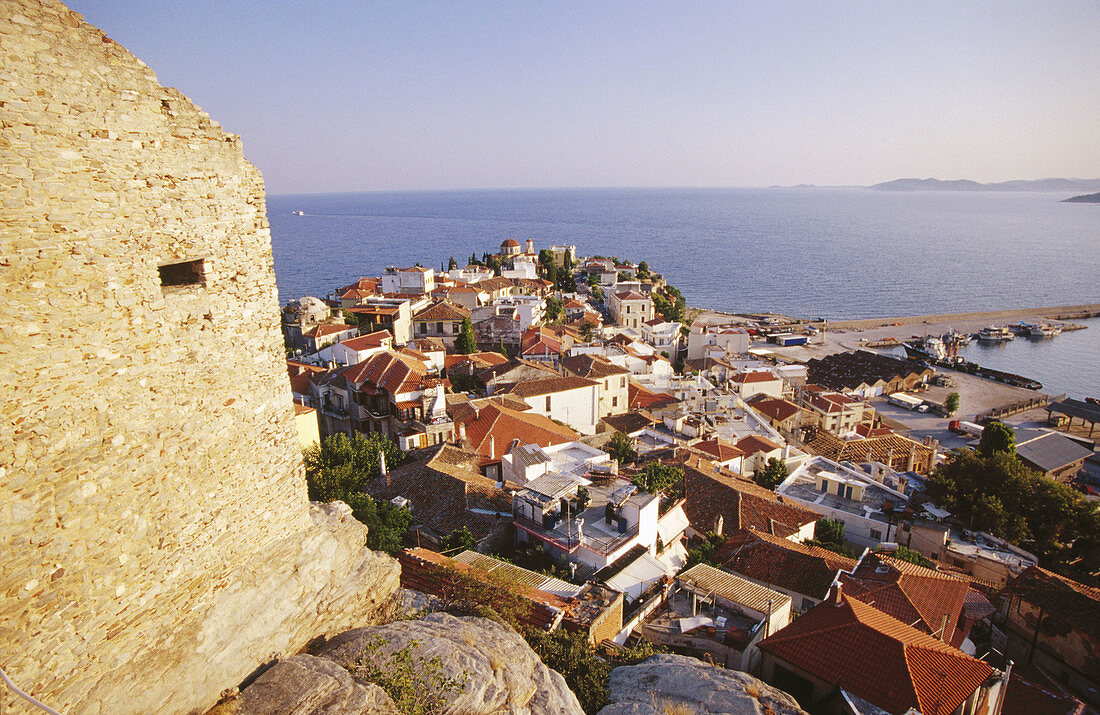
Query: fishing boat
{"x": 995, "y": 334}
{"x": 926, "y": 347}
{"x": 1043, "y": 330}
{"x": 954, "y": 336}
{"x": 298, "y": 213}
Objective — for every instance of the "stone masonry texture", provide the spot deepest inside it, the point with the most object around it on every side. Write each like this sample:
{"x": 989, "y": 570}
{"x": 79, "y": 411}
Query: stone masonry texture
{"x": 157, "y": 540}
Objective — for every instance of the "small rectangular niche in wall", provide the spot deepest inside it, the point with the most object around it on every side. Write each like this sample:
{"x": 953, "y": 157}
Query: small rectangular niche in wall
{"x": 182, "y": 274}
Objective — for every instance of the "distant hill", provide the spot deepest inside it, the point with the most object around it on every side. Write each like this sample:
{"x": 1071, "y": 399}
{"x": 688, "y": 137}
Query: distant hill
{"x": 1068, "y": 185}
{"x": 1084, "y": 199}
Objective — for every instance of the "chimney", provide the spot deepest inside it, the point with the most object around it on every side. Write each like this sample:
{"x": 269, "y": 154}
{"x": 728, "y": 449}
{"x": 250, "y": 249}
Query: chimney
{"x": 837, "y": 596}
{"x": 460, "y": 434}
{"x": 492, "y": 446}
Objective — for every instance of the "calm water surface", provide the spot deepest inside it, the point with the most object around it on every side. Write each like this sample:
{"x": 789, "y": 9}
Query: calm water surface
{"x": 851, "y": 253}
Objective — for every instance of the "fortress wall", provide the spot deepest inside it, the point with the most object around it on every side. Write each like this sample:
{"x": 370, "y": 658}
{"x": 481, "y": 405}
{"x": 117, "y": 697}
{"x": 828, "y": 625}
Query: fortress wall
{"x": 153, "y": 511}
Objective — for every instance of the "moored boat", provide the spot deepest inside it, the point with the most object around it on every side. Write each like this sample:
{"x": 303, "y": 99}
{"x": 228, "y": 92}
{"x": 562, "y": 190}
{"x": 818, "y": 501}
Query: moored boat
{"x": 995, "y": 334}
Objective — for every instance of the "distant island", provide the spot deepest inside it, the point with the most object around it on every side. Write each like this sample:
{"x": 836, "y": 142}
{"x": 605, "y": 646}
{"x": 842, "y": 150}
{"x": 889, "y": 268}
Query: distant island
{"x": 1083, "y": 199}
{"x": 967, "y": 185}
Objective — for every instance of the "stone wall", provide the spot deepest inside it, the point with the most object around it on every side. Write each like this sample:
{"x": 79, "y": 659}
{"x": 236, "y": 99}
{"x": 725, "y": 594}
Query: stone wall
{"x": 158, "y": 543}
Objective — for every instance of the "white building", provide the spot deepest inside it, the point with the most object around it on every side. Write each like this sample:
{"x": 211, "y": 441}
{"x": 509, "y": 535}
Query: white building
{"x": 852, "y": 496}
{"x": 664, "y": 337}
{"x": 729, "y": 339}
{"x": 572, "y": 400}
{"x": 527, "y": 310}
{"x": 355, "y": 350}
{"x": 523, "y": 266}
{"x": 470, "y": 274}
{"x": 526, "y": 462}
{"x": 408, "y": 281}
{"x": 593, "y": 521}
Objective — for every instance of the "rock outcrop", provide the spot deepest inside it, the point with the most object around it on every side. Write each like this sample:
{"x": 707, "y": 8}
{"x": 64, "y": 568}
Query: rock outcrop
{"x": 675, "y": 683}
{"x": 305, "y": 684}
{"x": 498, "y": 670}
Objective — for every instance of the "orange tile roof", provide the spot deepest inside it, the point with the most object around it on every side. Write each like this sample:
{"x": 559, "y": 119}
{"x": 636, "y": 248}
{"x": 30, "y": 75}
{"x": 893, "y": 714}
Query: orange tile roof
{"x": 505, "y": 425}
{"x": 742, "y": 504}
{"x": 916, "y": 595}
{"x": 775, "y": 408}
{"x": 878, "y": 658}
{"x": 719, "y": 449}
{"x": 541, "y": 340}
{"x": 371, "y": 340}
{"x": 802, "y": 568}
{"x": 592, "y": 366}
{"x": 644, "y": 398}
{"x": 754, "y": 376}
{"x": 547, "y": 386}
{"x": 755, "y": 443}
{"x": 389, "y": 371}
{"x": 443, "y": 310}
{"x": 322, "y": 329}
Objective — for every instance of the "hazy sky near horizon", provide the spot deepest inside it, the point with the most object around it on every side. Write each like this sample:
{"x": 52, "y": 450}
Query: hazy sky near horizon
{"x": 362, "y": 96}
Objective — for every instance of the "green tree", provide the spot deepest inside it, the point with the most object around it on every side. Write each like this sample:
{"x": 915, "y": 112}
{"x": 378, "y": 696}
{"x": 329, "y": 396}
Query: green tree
{"x": 906, "y": 554}
{"x": 951, "y": 404}
{"x": 772, "y": 475}
{"x": 997, "y": 437}
{"x": 829, "y": 531}
{"x": 458, "y": 541}
{"x": 655, "y": 477}
{"x": 621, "y": 448}
{"x": 597, "y": 294}
{"x": 466, "y": 342}
{"x": 570, "y": 654}
{"x": 554, "y": 309}
{"x": 703, "y": 552}
{"x": 452, "y": 264}
{"x": 643, "y": 270}
{"x": 587, "y": 329}
{"x": 339, "y": 468}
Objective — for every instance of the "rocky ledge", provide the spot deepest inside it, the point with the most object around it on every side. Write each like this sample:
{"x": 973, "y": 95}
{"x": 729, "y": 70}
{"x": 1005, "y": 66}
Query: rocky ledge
{"x": 496, "y": 669}
{"x": 678, "y": 684}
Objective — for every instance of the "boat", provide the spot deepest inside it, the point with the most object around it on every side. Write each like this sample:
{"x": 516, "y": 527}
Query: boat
{"x": 995, "y": 334}
{"x": 298, "y": 213}
{"x": 928, "y": 347}
{"x": 954, "y": 336}
{"x": 1043, "y": 330}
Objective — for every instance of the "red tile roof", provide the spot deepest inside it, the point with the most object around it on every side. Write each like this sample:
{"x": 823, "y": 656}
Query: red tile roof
{"x": 447, "y": 491}
{"x": 718, "y": 449}
{"x": 592, "y": 366}
{"x": 741, "y": 504}
{"x": 389, "y": 371}
{"x": 878, "y": 658}
{"x": 376, "y": 339}
{"x": 801, "y": 568}
{"x": 916, "y": 595}
{"x": 540, "y": 341}
{"x": 492, "y": 429}
{"x": 755, "y": 443}
{"x": 776, "y": 408}
{"x": 322, "y": 329}
{"x": 546, "y": 386}
{"x": 744, "y": 378}
{"x": 644, "y": 398}
{"x": 426, "y": 571}
{"x": 443, "y": 310}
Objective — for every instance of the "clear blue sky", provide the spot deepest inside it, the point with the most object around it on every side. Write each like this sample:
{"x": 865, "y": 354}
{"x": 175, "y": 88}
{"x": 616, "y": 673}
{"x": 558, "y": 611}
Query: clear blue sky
{"x": 357, "y": 96}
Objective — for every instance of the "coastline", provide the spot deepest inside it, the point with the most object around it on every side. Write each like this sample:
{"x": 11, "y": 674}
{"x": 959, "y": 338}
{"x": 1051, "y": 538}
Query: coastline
{"x": 1058, "y": 312}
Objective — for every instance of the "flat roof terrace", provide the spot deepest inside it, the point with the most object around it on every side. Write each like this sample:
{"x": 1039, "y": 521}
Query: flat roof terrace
{"x": 875, "y": 495}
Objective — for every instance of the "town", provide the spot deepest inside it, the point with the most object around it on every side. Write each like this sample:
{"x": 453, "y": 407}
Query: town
{"x": 710, "y": 485}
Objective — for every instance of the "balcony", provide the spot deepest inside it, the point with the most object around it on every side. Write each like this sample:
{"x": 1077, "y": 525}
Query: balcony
{"x": 596, "y": 535}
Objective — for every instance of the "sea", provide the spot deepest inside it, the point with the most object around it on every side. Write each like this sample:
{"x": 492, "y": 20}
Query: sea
{"x": 810, "y": 252}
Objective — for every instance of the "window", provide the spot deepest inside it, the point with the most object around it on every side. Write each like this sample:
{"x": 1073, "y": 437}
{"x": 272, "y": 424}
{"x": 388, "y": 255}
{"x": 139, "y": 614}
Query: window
{"x": 876, "y": 534}
{"x": 548, "y": 403}
{"x": 622, "y": 382}
{"x": 848, "y": 491}
{"x": 184, "y": 273}
{"x": 439, "y": 328}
